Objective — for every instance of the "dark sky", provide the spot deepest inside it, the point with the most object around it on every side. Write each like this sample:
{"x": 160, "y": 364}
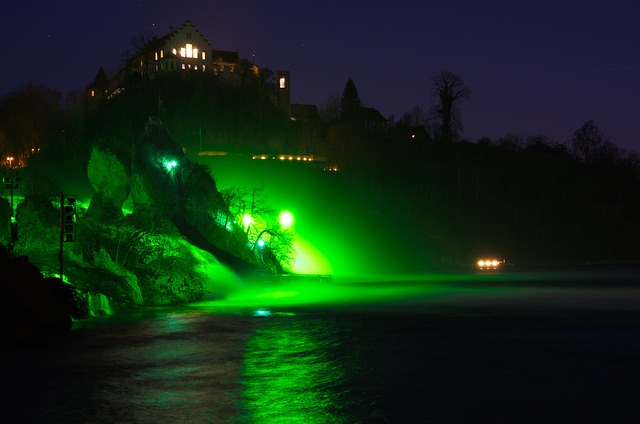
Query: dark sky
{"x": 533, "y": 67}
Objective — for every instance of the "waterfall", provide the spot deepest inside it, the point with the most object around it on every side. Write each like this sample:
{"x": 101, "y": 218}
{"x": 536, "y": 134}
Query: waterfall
{"x": 219, "y": 280}
{"x": 98, "y": 304}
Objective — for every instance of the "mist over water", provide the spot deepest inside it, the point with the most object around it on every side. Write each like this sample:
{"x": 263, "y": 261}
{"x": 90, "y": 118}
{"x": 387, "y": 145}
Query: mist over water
{"x": 340, "y": 230}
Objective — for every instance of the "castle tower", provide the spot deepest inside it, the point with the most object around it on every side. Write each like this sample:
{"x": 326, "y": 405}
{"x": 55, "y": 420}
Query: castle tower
{"x": 284, "y": 91}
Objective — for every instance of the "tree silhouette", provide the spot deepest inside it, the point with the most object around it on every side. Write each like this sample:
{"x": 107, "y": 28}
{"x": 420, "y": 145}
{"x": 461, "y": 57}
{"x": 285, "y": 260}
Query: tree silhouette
{"x": 449, "y": 90}
{"x": 30, "y": 118}
{"x": 350, "y": 102}
{"x": 590, "y": 144}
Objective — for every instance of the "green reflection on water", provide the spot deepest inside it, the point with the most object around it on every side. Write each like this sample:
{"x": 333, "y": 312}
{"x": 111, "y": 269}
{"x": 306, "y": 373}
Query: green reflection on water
{"x": 289, "y": 375}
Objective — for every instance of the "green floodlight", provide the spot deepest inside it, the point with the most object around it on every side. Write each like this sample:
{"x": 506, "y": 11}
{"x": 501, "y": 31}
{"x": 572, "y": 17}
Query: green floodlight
{"x": 170, "y": 164}
{"x": 261, "y": 243}
{"x": 285, "y": 219}
{"x": 247, "y": 220}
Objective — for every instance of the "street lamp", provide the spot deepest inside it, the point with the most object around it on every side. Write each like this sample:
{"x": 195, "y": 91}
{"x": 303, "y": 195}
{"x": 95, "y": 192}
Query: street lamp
{"x": 285, "y": 219}
{"x": 170, "y": 164}
{"x": 10, "y": 159}
{"x": 247, "y": 220}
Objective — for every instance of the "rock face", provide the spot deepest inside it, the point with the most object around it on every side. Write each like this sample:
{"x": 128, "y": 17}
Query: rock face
{"x": 38, "y": 234}
{"x": 110, "y": 181}
{"x": 148, "y": 257}
{"x": 146, "y": 249}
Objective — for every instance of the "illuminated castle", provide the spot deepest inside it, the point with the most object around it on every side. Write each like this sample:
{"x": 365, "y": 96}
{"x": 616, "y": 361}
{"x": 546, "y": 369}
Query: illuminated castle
{"x": 183, "y": 48}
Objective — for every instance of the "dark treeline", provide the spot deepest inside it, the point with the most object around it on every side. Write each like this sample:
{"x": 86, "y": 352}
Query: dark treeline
{"x": 201, "y": 112}
{"x": 529, "y": 200}
{"x": 530, "y": 203}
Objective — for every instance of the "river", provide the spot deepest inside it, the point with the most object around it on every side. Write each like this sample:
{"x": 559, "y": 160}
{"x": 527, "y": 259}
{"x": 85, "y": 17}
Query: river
{"x": 535, "y": 347}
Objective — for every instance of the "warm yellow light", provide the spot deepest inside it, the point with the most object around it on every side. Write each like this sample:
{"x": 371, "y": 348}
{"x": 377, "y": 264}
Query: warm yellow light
{"x": 204, "y": 56}
{"x": 283, "y": 82}
{"x": 189, "y": 50}
{"x": 174, "y": 51}
{"x": 195, "y": 53}
{"x": 183, "y": 51}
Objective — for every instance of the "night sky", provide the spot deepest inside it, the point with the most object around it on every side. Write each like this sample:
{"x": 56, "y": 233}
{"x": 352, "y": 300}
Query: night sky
{"x": 533, "y": 67}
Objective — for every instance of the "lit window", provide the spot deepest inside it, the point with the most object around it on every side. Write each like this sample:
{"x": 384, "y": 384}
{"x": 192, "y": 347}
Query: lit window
{"x": 183, "y": 51}
{"x": 184, "y": 67}
{"x": 283, "y": 82}
{"x": 195, "y": 53}
{"x": 174, "y": 51}
{"x": 93, "y": 93}
{"x": 156, "y": 56}
{"x": 203, "y": 68}
{"x": 161, "y": 54}
{"x": 189, "y": 50}
{"x": 195, "y": 67}
{"x": 204, "y": 56}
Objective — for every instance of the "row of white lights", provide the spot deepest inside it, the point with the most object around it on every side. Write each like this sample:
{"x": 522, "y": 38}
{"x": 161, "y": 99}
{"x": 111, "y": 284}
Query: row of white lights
{"x": 284, "y": 157}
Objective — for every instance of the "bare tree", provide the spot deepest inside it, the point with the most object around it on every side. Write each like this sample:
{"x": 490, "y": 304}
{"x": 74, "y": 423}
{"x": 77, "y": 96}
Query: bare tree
{"x": 140, "y": 41}
{"x": 449, "y": 91}
{"x": 589, "y": 143}
{"x": 260, "y": 222}
{"x": 330, "y": 111}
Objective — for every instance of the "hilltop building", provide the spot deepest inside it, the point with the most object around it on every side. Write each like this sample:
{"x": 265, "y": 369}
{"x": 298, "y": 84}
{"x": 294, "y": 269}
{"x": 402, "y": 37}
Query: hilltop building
{"x": 183, "y": 48}
{"x": 373, "y": 119}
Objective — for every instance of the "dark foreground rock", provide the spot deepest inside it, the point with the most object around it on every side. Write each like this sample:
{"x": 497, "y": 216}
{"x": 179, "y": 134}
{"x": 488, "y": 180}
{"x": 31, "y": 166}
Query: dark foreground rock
{"x": 32, "y": 307}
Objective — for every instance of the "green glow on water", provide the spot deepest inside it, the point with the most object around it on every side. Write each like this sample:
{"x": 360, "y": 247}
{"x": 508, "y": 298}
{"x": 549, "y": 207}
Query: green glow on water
{"x": 370, "y": 289}
{"x": 289, "y": 375}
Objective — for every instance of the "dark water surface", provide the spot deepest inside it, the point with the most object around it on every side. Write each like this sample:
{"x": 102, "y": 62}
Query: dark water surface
{"x": 521, "y": 348}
